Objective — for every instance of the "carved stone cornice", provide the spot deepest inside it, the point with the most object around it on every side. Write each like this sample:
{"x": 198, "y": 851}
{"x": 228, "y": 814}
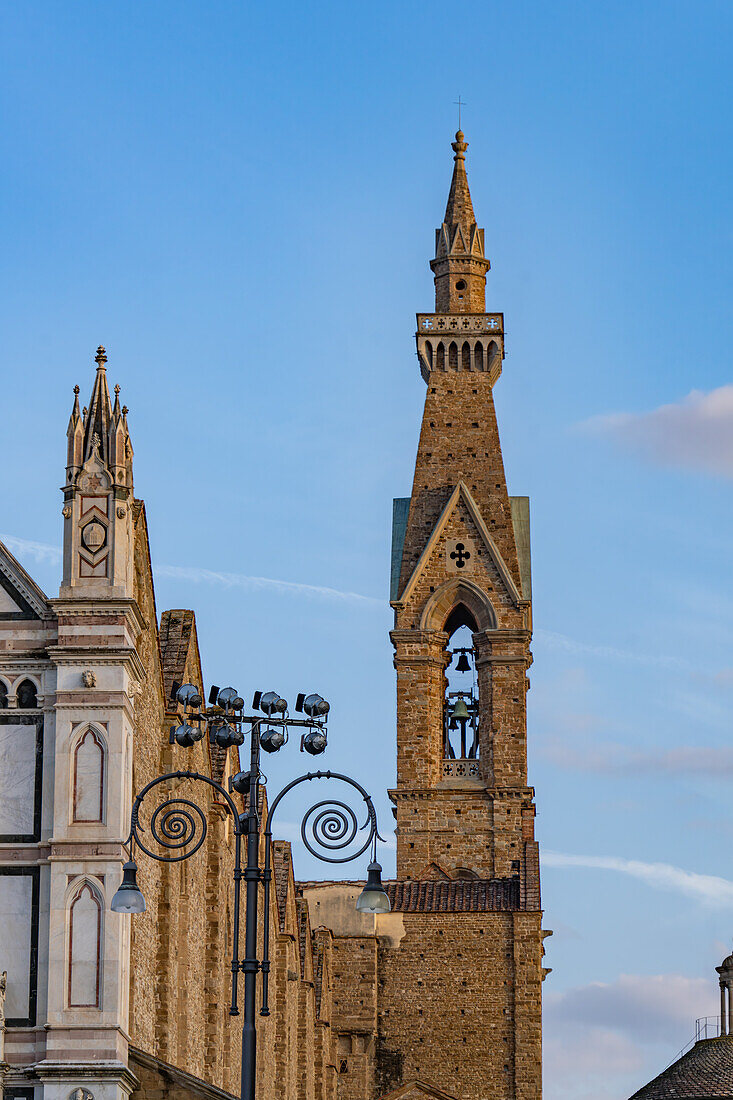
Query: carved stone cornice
{"x": 84, "y": 606}
{"x": 99, "y": 655}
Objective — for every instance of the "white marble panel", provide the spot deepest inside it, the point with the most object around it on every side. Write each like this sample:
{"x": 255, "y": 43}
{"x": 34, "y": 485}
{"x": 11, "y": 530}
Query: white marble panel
{"x": 88, "y": 778}
{"x": 15, "y": 942}
{"x": 84, "y": 944}
{"x": 7, "y": 603}
{"x": 17, "y": 778}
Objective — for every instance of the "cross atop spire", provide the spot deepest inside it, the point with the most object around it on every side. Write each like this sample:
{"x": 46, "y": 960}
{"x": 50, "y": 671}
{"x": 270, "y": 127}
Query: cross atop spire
{"x": 460, "y": 265}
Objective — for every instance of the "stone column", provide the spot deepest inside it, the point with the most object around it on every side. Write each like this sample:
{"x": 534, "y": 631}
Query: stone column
{"x": 723, "y": 1013}
{"x": 3, "y": 1063}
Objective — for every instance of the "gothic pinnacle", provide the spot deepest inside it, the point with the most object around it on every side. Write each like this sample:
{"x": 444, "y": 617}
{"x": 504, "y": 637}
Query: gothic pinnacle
{"x": 100, "y": 358}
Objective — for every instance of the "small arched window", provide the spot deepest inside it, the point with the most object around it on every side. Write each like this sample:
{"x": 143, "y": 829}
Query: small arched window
{"x": 3, "y": 695}
{"x": 453, "y": 355}
{"x": 26, "y": 695}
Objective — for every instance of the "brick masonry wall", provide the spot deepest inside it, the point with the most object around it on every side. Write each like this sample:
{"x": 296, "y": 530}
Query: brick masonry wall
{"x": 459, "y": 1006}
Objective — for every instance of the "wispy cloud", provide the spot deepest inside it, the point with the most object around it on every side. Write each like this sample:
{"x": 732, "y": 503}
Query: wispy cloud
{"x": 708, "y": 889}
{"x": 557, "y": 641}
{"x": 43, "y": 552}
{"x": 695, "y": 433}
{"x": 605, "y": 1039}
{"x": 610, "y": 758}
{"x": 38, "y": 551}
{"x": 241, "y": 580}
{"x": 653, "y": 1007}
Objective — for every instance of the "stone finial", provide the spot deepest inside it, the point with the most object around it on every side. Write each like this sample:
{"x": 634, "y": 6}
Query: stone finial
{"x": 76, "y": 390}
{"x": 117, "y": 388}
{"x": 459, "y": 146}
{"x": 101, "y": 357}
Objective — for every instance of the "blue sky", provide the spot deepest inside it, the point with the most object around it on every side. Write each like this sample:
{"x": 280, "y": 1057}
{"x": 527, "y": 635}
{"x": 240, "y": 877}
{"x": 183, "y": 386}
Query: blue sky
{"x": 239, "y": 201}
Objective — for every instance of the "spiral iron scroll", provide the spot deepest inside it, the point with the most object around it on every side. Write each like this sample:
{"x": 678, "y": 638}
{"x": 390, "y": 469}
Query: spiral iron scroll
{"x": 176, "y": 824}
{"x": 332, "y": 825}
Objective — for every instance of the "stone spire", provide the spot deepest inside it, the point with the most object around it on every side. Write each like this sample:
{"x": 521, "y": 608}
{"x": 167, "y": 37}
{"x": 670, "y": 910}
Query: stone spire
{"x": 75, "y": 437}
{"x": 460, "y": 208}
{"x": 98, "y": 495}
{"x": 97, "y": 421}
{"x": 460, "y": 265}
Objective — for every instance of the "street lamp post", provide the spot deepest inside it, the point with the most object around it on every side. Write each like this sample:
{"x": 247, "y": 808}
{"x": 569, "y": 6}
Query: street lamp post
{"x": 179, "y": 825}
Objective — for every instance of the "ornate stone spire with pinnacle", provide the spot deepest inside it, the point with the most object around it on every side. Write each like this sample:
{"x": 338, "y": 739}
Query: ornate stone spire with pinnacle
{"x": 100, "y": 409}
{"x": 98, "y": 495}
{"x": 460, "y": 265}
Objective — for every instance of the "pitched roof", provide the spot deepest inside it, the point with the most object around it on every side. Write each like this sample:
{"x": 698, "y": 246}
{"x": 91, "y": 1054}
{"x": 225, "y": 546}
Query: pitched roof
{"x": 281, "y": 863}
{"x": 704, "y": 1073}
{"x": 438, "y": 896}
{"x": 175, "y": 637}
{"x": 459, "y": 896}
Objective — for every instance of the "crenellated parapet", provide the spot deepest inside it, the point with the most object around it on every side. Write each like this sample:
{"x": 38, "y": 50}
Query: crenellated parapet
{"x": 464, "y": 342}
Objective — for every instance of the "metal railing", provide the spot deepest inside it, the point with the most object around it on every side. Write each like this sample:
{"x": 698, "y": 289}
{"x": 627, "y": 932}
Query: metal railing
{"x": 706, "y": 1027}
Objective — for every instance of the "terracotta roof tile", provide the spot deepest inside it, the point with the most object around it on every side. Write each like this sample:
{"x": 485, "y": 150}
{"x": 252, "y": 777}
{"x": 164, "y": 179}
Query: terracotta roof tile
{"x": 459, "y": 896}
{"x": 438, "y": 896}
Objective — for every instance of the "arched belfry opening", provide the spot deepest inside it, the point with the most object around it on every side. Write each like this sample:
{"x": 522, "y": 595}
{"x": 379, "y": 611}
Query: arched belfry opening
{"x": 461, "y": 703}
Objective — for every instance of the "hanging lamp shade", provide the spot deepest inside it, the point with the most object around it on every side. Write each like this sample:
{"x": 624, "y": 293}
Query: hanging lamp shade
{"x": 128, "y": 898}
{"x": 373, "y": 898}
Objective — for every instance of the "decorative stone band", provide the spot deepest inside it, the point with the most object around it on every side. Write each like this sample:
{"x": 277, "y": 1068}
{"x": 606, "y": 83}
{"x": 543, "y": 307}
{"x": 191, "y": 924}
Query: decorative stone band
{"x": 460, "y": 768}
{"x": 469, "y": 341}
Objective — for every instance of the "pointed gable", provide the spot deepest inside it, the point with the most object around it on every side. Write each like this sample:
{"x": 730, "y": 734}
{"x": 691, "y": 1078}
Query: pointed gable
{"x": 472, "y": 522}
{"x": 20, "y": 596}
{"x": 417, "y": 1090}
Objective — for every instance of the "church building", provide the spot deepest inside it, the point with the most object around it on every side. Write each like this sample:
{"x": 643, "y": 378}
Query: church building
{"x": 439, "y": 999}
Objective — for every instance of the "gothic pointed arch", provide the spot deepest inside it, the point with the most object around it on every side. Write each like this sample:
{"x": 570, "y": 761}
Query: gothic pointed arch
{"x": 26, "y": 694}
{"x": 458, "y": 598}
{"x": 89, "y": 756}
{"x": 84, "y": 952}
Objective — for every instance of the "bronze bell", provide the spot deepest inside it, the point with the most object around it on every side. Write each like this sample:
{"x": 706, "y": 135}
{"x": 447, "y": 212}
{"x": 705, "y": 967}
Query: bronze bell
{"x": 460, "y": 710}
{"x": 462, "y": 665}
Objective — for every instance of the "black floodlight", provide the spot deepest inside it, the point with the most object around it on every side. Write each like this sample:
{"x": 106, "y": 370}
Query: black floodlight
{"x": 256, "y": 700}
{"x": 227, "y": 696}
{"x": 186, "y": 735}
{"x": 299, "y": 703}
{"x": 272, "y": 703}
{"x": 272, "y": 739}
{"x": 188, "y": 695}
{"x": 213, "y": 695}
{"x": 225, "y": 735}
{"x": 315, "y": 706}
{"x": 314, "y": 742}
{"x": 239, "y": 782}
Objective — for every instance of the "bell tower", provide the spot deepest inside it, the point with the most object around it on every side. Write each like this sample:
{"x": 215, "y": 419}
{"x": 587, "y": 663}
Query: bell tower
{"x": 461, "y": 593}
